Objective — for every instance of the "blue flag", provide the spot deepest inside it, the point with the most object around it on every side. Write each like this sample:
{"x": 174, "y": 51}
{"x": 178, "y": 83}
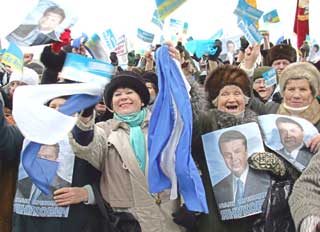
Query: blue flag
{"x": 42, "y": 171}
{"x": 169, "y": 139}
{"x": 156, "y": 19}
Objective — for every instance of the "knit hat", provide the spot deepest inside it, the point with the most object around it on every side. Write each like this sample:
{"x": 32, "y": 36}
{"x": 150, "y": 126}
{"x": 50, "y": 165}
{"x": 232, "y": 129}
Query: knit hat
{"x": 226, "y": 75}
{"x": 126, "y": 79}
{"x": 152, "y": 78}
{"x": 301, "y": 70}
{"x": 29, "y": 76}
{"x": 259, "y": 71}
{"x": 281, "y": 51}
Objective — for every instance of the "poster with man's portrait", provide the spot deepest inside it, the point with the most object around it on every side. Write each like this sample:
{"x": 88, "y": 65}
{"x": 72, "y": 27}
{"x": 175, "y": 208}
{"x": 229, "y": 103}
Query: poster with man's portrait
{"x": 29, "y": 199}
{"x": 238, "y": 189}
{"x": 43, "y": 25}
{"x": 288, "y": 136}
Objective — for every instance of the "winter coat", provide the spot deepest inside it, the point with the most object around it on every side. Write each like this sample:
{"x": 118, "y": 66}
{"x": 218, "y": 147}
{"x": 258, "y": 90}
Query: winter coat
{"x": 205, "y": 120}
{"x": 123, "y": 184}
{"x": 305, "y": 197}
{"x": 80, "y": 215}
{"x": 81, "y": 218}
{"x": 10, "y": 146}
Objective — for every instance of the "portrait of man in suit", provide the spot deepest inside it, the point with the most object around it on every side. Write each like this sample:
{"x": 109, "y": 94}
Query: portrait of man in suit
{"x": 291, "y": 136}
{"x": 42, "y": 32}
{"x": 242, "y": 181}
{"x": 25, "y": 187}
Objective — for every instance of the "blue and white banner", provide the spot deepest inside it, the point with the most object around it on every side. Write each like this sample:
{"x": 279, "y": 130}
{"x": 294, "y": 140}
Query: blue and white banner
{"x": 270, "y": 77}
{"x": 166, "y": 7}
{"x": 110, "y": 39}
{"x": 96, "y": 48}
{"x": 250, "y": 30}
{"x": 13, "y": 57}
{"x": 244, "y": 9}
{"x": 145, "y": 36}
{"x": 171, "y": 165}
{"x": 156, "y": 19}
{"x": 83, "y": 69}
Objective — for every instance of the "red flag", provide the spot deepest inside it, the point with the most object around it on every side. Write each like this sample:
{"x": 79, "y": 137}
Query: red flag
{"x": 301, "y": 22}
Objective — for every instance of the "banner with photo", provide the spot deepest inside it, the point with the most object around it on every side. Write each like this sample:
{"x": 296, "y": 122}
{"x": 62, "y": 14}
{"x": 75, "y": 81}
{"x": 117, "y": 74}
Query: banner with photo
{"x": 239, "y": 190}
{"x": 288, "y": 137}
{"x": 43, "y": 25}
{"x": 29, "y": 200}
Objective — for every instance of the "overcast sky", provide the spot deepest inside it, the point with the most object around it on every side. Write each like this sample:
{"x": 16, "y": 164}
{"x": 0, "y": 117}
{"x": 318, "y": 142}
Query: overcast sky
{"x": 205, "y": 17}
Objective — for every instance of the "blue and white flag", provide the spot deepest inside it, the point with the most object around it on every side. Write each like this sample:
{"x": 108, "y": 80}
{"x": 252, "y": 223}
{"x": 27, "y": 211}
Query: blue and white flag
{"x": 156, "y": 19}
{"x": 244, "y": 9}
{"x": 109, "y": 39}
{"x": 36, "y": 120}
{"x": 13, "y": 57}
{"x": 84, "y": 69}
{"x": 145, "y": 36}
{"x": 270, "y": 77}
{"x": 169, "y": 139}
{"x": 96, "y": 48}
{"x": 248, "y": 27}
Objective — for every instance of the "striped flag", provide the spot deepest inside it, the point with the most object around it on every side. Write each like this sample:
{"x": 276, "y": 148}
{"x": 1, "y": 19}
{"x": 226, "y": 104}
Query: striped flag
{"x": 169, "y": 139}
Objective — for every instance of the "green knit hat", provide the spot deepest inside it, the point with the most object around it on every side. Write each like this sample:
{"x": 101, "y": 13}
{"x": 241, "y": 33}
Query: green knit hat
{"x": 259, "y": 71}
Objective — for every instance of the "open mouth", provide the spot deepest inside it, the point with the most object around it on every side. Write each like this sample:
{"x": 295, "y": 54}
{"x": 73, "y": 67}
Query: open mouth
{"x": 232, "y": 107}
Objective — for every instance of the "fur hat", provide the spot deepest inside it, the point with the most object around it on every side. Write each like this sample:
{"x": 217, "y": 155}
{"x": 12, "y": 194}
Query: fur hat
{"x": 300, "y": 70}
{"x": 259, "y": 71}
{"x": 227, "y": 75}
{"x": 281, "y": 51}
{"x": 126, "y": 79}
{"x": 29, "y": 76}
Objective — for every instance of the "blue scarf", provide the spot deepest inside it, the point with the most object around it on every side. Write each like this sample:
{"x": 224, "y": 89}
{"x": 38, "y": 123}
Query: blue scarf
{"x": 137, "y": 140}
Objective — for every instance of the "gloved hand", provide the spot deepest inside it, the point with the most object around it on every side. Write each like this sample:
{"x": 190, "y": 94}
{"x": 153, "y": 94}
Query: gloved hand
{"x": 88, "y": 111}
{"x": 185, "y": 218}
{"x": 65, "y": 39}
{"x": 243, "y": 43}
{"x": 218, "y": 47}
{"x": 76, "y": 43}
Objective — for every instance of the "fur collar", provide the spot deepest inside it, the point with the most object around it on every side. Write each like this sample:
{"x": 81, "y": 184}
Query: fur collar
{"x": 225, "y": 120}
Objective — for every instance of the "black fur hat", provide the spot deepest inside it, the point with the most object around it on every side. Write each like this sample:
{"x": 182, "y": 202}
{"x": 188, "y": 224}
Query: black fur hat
{"x": 126, "y": 79}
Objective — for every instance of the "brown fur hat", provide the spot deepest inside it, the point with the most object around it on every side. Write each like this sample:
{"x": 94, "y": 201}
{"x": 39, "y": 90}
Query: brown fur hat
{"x": 281, "y": 51}
{"x": 227, "y": 75}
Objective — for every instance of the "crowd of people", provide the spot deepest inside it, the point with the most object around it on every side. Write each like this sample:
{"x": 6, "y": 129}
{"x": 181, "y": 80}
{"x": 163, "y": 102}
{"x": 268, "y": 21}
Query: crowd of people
{"x": 109, "y": 144}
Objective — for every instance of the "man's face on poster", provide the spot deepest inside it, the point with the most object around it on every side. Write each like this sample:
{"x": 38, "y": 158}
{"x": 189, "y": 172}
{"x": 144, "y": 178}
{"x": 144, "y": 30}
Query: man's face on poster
{"x": 235, "y": 156}
{"x": 291, "y": 135}
{"x": 49, "y": 152}
{"x": 49, "y": 21}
